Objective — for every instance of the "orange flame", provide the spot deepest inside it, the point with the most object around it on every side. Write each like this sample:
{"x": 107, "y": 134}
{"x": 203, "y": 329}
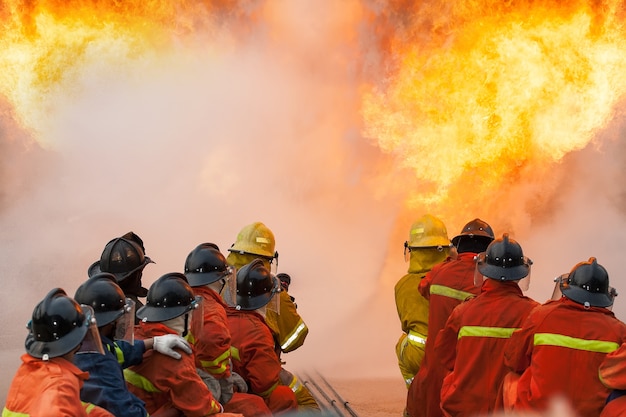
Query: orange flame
{"x": 46, "y": 44}
{"x": 486, "y": 97}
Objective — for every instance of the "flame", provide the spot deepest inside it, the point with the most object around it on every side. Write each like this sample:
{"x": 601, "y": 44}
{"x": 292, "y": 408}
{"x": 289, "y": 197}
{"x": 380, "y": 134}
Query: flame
{"x": 487, "y": 97}
{"x": 47, "y": 45}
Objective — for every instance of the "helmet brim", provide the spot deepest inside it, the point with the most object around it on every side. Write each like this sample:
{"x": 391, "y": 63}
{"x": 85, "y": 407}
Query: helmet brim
{"x": 581, "y": 296}
{"x": 253, "y": 303}
{"x": 480, "y": 235}
{"x": 197, "y": 279}
{"x": 504, "y": 274}
{"x": 119, "y": 276}
{"x": 60, "y": 347}
{"x": 159, "y": 314}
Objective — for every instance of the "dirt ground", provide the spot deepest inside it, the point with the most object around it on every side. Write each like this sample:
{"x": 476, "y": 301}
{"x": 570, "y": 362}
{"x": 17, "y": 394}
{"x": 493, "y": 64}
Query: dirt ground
{"x": 372, "y": 397}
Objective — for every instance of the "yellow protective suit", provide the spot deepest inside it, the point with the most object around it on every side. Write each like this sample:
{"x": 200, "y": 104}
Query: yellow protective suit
{"x": 413, "y": 310}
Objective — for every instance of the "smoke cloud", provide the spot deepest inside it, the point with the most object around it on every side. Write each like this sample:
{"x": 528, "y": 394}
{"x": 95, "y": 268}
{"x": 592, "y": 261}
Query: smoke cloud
{"x": 190, "y": 146}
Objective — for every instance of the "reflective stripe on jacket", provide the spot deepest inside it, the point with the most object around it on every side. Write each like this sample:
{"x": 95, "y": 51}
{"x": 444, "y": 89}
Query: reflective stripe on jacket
{"x": 256, "y": 361}
{"x": 288, "y": 326}
{"x": 162, "y": 381}
{"x": 446, "y": 286}
{"x": 48, "y": 388}
{"x": 471, "y": 347}
{"x": 559, "y": 351}
{"x": 212, "y": 347}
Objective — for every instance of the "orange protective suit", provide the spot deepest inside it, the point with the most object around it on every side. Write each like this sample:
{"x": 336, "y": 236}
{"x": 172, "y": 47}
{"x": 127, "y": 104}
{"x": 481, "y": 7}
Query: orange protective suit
{"x": 613, "y": 375}
{"x": 49, "y": 389}
{"x": 471, "y": 347}
{"x": 163, "y": 382}
{"x": 256, "y": 361}
{"x": 558, "y": 351}
{"x": 446, "y": 286}
{"x": 212, "y": 352}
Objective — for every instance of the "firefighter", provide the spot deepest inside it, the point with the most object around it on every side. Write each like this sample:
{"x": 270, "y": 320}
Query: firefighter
{"x": 162, "y": 382}
{"x": 252, "y": 343}
{"x": 208, "y": 273}
{"x": 559, "y": 349}
{"x": 115, "y": 316}
{"x": 445, "y": 286}
{"x": 47, "y": 383}
{"x": 256, "y": 241}
{"x": 427, "y": 246}
{"x": 471, "y": 344}
{"x": 125, "y": 258}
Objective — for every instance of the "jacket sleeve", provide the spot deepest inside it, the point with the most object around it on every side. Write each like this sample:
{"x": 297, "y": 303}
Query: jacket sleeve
{"x": 446, "y": 340}
{"x": 60, "y": 399}
{"x": 263, "y": 364}
{"x": 188, "y": 392}
{"x": 612, "y": 370}
{"x": 424, "y": 285}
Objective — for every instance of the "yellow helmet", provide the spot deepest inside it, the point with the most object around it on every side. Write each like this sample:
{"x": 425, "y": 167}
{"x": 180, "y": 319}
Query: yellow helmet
{"x": 427, "y": 231}
{"x": 257, "y": 239}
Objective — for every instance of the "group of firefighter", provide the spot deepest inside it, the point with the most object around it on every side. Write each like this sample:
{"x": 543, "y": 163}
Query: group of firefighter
{"x": 474, "y": 345}
{"x": 207, "y": 340}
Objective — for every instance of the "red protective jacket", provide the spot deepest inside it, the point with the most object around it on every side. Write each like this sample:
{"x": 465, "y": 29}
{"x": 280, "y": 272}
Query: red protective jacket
{"x": 254, "y": 358}
{"x": 212, "y": 352}
{"x": 559, "y": 350}
{"x": 446, "y": 286}
{"x": 49, "y": 389}
{"x": 471, "y": 347}
{"x": 163, "y": 382}
{"x": 212, "y": 347}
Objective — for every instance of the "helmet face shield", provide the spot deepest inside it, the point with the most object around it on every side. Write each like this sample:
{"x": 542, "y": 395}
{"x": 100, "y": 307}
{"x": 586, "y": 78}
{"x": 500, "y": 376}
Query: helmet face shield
{"x": 479, "y": 278}
{"x": 229, "y": 291}
{"x": 91, "y": 343}
{"x": 196, "y": 317}
{"x": 125, "y": 324}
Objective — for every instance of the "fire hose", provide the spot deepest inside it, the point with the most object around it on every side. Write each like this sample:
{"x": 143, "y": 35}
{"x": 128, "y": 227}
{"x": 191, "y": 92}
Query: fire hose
{"x": 327, "y": 397}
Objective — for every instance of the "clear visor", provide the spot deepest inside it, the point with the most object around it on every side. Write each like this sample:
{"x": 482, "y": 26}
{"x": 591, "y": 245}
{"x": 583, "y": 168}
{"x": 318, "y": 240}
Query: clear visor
{"x": 556, "y": 292}
{"x": 524, "y": 283}
{"x": 274, "y": 304}
{"x": 229, "y": 290}
{"x": 479, "y": 278}
{"x": 91, "y": 342}
{"x": 125, "y": 324}
{"x": 196, "y": 317}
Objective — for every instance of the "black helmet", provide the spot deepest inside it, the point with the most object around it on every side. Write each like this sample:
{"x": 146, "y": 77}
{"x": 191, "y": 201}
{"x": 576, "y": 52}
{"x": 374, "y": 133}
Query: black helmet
{"x": 168, "y": 297}
{"x": 588, "y": 284}
{"x": 255, "y": 286}
{"x": 102, "y": 293}
{"x": 285, "y": 280}
{"x": 120, "y": 257}
{"x": 206, "y": 264}
{"x": 504, "y": 260}
{"x": 475, "y": 229}
{"x": 58, "y": 326}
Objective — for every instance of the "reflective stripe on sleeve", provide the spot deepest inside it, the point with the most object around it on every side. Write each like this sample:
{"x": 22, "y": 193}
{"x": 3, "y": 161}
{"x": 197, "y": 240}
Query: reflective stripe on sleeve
{"x": 218, "y": 365}
{"x": 294, "y": 335}
{"x": 139, "y": 381}
{"x": 550, "y": 339}
{"x": 480, "y": 331}
{"x": 450, "y": 292}
{"x": 8, "y": 413}
{"x": 416, "y": 338}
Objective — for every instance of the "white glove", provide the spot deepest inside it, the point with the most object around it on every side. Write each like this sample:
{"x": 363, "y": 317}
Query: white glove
{"x": 165, "y": 344}
{"x": 212, "y": 384}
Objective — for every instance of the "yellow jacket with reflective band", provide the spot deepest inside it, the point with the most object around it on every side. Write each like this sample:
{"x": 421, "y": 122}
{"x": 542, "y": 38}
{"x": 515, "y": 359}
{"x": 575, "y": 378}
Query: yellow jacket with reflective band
{"x": 288, "y": 327}
{"x": 411, "y": 306}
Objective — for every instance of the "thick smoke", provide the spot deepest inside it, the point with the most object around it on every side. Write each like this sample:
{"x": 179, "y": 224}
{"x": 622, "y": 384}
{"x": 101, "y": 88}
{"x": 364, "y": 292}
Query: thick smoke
{"x": 190, "y": 146}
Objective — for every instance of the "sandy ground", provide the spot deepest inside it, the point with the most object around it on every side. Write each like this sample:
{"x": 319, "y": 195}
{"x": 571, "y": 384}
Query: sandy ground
{"x": 371, "y": 397}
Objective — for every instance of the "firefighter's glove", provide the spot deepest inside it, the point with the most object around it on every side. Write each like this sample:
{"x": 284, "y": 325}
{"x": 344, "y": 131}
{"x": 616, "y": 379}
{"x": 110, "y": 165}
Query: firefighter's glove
{"x": 226, "y": 389}
{"x": 239, "y": 383}
{"x": 212, "y": 384}
{"x": 165, "y": 344}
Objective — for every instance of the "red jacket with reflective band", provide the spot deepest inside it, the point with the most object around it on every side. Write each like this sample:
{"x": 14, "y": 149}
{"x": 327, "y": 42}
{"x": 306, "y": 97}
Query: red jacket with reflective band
{"x": 49, "y": 388}
{"x": 212, "y": 347}
{"x": 471, "y": 347}
{"x": 559, "y": 350}
{"x": 254, "y": 358}
{"x": 162, "y": 381}
{"x": 446, "y": 286}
